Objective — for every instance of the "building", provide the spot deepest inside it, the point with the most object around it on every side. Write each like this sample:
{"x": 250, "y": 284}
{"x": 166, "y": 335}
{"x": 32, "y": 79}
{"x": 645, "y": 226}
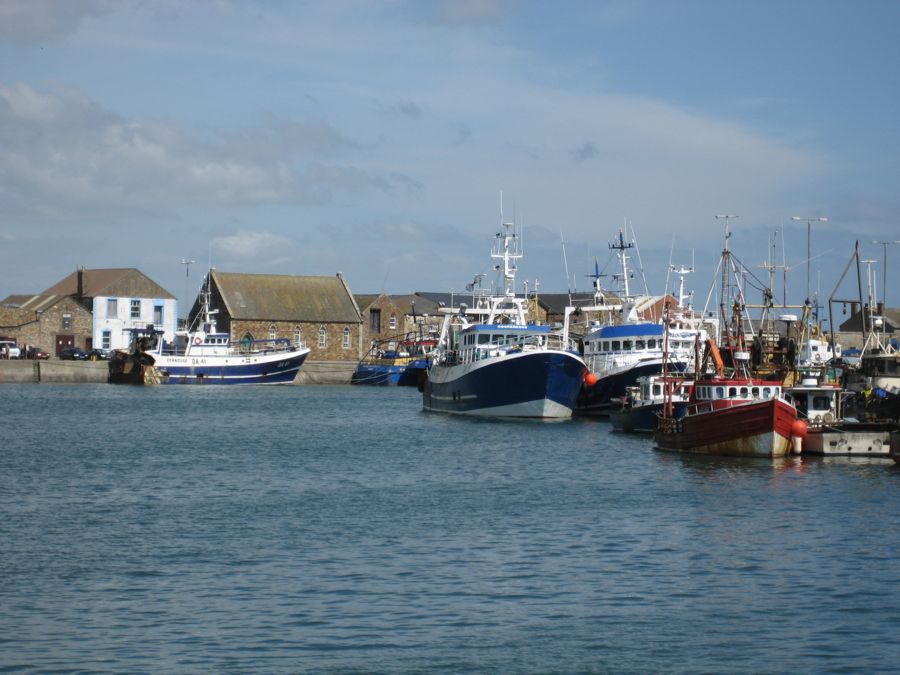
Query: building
{"x": 318, "y": 311}
{"x": 88, "y": 309}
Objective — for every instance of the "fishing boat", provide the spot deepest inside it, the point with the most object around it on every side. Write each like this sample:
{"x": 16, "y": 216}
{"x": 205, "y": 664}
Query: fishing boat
{"x": 490, "y": 361}
{"x": 404, "y": 363}
{"x": 643, "y": 404}
{"x": 623, "y": 347}
{"x": 735, "y": 415}
{"x": 205, "y": 355}
{"x": 829, "y": 431}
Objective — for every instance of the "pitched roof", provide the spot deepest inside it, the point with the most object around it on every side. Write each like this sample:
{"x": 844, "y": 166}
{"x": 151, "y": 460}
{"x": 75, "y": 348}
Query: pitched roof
{"x": 31, "y": 303}
{"x": 122, "y": 283}
{"x": 282, "y": 297}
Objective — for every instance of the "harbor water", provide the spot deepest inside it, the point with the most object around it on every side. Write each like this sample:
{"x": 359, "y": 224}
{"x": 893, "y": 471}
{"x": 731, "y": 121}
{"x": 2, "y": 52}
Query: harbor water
{"x": 342, "y": 529}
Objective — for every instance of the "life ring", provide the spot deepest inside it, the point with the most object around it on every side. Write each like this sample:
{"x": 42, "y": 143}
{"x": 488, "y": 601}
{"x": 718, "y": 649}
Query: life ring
{"x": 818, "y": 357}
{"x": 198, "y": 341}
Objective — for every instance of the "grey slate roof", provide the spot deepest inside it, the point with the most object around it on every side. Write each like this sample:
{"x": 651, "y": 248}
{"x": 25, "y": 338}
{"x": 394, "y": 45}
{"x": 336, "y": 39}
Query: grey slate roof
{"x": 281, "y": 297}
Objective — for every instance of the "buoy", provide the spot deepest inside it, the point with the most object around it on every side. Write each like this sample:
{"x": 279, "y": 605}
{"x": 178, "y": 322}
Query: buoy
{"x": 798, "y": 429}
{"x": 590, "y": 379}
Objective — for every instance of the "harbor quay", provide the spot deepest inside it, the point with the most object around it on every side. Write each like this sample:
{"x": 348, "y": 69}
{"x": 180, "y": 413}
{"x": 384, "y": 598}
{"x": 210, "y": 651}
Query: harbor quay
{"x": 92, "y": 372}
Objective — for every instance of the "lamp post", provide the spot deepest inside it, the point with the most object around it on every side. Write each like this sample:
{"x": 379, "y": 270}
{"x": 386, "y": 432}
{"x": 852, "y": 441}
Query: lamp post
{"x": 884, "y": 244}
{"x": 187, "y": 272}
{"x": 809, "y": 222}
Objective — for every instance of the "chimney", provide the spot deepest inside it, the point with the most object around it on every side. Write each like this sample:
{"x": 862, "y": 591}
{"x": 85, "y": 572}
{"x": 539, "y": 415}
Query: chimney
{"x": 79, "y": 291}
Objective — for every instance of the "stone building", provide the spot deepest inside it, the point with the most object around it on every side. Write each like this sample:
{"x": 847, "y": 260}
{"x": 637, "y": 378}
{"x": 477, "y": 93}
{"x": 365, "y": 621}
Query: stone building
{"x": 317, "y": 311}
{"x": 89, "y": 308}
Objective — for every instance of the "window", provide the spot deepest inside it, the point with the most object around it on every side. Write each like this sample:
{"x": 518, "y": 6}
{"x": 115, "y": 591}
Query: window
{"x": 323, "y": 337}
{"x": 298, "y": 336}
{"x": 345, "y": 339}
{"x": 374, "y": 320}
{"x": 247, "y": 342}
{"x": 135, "y": 309}
{"x": 112, "y": 308}
{"x": 616, "y": 345}
{"x": 732, "y": 392}
{"x": 626, "y": 345}
{"x": 273, "y": 332}
{"x": 66, "y": 321}
{"x": 651, "y": 344}
{"x": 639, "y": 344}
{"x": 720, "y": 392}
{"x": 484, "y": 338}
{"x": 158, "y": 314}
{"x": 393, "y": 323}
{"x": 106, "y": 339}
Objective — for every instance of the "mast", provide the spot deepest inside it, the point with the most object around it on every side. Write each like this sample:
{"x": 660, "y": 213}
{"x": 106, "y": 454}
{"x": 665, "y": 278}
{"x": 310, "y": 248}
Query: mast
{"x": 621, "y": 246}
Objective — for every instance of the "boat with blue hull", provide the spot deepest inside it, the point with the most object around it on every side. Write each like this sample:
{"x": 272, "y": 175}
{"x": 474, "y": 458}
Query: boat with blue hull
{"x": 403, "y": 365}
{"x": 204, "y": 355}
{"x": 491, "y": 362}
{"x": 643, "y": 404}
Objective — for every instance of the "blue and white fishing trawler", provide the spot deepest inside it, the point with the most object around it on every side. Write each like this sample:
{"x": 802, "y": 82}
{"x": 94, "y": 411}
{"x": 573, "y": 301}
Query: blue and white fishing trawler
{"x": 624, "y": 346}
{"x": 204, "y": 355}
{"x": 491, "y": 362}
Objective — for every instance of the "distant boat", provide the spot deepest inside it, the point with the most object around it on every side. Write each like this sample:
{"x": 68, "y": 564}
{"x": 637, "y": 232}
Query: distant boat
{"x": 404, "y": 364}
{"x": 203, "y": 355}
{"x": 829, "y": 432}
{"x": 643, "y": 404}
{"x": 491, "y": 362}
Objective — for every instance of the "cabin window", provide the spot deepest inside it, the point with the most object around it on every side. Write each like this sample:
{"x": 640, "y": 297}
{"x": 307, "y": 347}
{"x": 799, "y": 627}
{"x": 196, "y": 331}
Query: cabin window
{"x": 483, "y": 338}
{"x": 323, "y": 336}
{"x": 273, "y": 332}
{"x": 106, "y": 339}
{"x": 345, "y": 338}
{"x": 776, "y": 391}
{"x": 112, "y": 308}
{"x": 639, "y": 344}
{"x": 393, "y": 321}
{"x": 767, "y": 393}
{"x": 657, "y": 390}
{"x": 497, "y": 339}
{"x": 606, "y": 345}
{"x": 374, "y": 321}
{"x": 755, "y": 392}
{"x": 651, "y": 344}
{"x": 626, "y": 345}
{"x": 744, "y": 392}
{"x": 732, "y": 392}
{"x": 821, "y": 403}
{"x": 135, "y": 309}
{"x": 720, "y": 392}
{"x": 616, "y": 345}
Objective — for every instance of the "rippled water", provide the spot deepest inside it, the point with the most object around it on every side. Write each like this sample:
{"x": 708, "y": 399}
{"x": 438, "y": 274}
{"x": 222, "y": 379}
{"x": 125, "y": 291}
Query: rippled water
{"x": 285, "y": 529}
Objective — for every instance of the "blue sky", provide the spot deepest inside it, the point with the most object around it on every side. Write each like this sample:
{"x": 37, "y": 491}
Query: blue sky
{"x": 375, "y": 138}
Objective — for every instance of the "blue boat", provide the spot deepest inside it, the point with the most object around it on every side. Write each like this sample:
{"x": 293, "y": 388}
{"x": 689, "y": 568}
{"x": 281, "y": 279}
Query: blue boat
{"x": 491, "y": 362}
{"x": 203, "y": 355}
{"x": 643, "y": 403}
{"x": 404, "y": 366}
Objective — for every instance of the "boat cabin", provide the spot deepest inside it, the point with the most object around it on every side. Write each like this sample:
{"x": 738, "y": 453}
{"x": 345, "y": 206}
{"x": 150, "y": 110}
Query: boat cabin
{"x": 817, "y": 404}
{"x": 481, "y": 341}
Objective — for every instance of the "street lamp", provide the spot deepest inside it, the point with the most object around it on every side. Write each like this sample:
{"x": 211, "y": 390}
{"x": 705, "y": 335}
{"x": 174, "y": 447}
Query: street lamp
{"x": 187, "y": 272}
{"x": 809, "y": 222}
{"x": 884, "y": 244}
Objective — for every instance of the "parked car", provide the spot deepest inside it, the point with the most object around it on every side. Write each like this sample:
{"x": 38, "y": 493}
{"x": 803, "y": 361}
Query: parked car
{"x": 99, "y": 354}
{"x": 38, "y": 354}
{"x": 9, "y": 349}
{"x": 73, "y": 354}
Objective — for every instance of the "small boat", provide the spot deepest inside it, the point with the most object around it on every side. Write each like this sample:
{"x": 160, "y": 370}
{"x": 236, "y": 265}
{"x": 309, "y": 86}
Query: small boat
{"x": 204, "y": 355}
{"x": 491, "y": 362}
{"x": 404, "y": 364}
{"x": 737, "y": 415}
{"x": 828, "y": 431}
{"x": 643, "y": 404}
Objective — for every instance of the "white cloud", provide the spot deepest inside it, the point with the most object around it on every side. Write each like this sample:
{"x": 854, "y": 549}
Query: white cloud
{"x": 249, "y": 244}
{"x": 36, "y": 20}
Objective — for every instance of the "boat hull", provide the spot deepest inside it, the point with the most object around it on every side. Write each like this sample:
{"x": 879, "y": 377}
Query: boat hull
{"x": 756, "y": 429}
{"x": 850, "y": 438}
{"x": 381, "y": 375}
{"x": 642, "y": 419}
{"x": 602, "y": 398}
{"x": 543, "y": 384}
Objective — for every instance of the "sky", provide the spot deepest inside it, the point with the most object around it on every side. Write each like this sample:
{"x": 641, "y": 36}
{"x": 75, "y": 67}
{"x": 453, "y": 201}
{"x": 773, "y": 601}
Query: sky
{"x": 379, "y": 139}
